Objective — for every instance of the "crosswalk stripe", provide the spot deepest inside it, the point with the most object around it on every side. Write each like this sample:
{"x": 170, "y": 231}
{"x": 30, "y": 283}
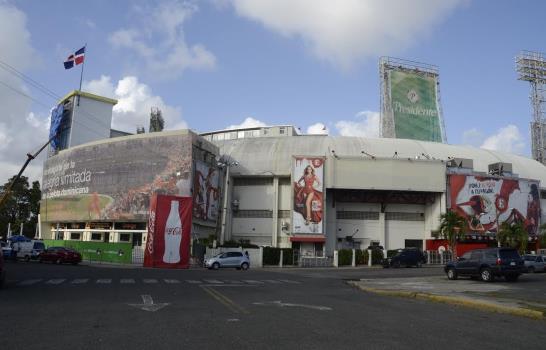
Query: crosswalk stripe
{"x": 127, "y": 281}
{"x": 149, "y": 280}
{"x": 273, "y": 281}
{"x": 214, "y": 281}
{"x": 172, "y": 281}
{"x": 290, "y": 281}
{"x": 80, "y": 281}
{"x": 234, "y": 281}
{"x": 29, "y": 282}
{"x": 253, "y": 282}
{"x": 56, "y": 281}
{"x": 104, "y": 281}
{"x": 193, "y": 281}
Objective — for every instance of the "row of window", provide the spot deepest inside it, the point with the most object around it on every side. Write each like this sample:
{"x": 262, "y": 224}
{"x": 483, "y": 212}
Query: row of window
{"x": 372, "y": 215}
{"x": 77, "y": 236}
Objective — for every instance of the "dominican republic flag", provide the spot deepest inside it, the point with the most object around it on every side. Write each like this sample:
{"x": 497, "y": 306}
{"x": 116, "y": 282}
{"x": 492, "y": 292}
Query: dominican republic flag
{"x": 75, "y": 58}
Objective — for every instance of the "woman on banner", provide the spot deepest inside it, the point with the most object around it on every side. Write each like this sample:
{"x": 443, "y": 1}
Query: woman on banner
{"x": 307, "y": 190}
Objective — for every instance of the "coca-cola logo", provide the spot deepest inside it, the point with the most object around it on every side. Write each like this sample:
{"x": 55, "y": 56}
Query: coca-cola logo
{"x": 173, "y": 230}
{"x": 151, "y": 230}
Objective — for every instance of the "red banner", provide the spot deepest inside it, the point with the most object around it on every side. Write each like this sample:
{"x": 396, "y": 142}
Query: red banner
{"x": 169, "y": 231}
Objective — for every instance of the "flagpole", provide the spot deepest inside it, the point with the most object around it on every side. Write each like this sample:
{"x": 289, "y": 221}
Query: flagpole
{"x": 81, "y": 75}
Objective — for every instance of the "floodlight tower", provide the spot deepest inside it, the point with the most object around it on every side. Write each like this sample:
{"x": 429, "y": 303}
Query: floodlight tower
{"x": 531, "y": 67}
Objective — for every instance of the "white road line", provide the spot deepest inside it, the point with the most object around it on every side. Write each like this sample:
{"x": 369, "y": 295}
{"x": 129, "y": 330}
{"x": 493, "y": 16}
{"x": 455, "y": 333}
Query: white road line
{"x": 273, "y": 281}
{"x": 214, "y": 281}
{"x": 290, "y": 281}
{"x": 149, "y": 280}
{"x": 234, "y": 281}
{"x": 80, "y": 281}
{"x": 56, "y": 281}
{"x": 253, "y": 282}
{"x": 171, "y": 281}
{"x": 104, "y": 281}
{"x": 127, "y": 281}
{"x": 193, "y": 281}
{"x": 29, "y": 282}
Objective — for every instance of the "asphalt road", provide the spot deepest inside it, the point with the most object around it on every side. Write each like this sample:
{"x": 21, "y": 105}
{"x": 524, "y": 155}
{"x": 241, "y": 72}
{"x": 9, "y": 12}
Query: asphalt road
{"x": 89, "y": 307}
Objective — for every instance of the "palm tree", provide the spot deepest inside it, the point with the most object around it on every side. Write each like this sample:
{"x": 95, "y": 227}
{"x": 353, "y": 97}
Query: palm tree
{"x": 452, "y": 227}
{"x": 513, "y": 235}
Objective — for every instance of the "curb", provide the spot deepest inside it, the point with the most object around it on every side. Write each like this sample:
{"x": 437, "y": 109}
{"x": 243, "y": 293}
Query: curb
{"x": 473, "y": 304}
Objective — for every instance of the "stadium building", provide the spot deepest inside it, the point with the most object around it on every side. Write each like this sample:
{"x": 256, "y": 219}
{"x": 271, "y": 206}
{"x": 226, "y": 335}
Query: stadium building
{"x": 271, "y": 186}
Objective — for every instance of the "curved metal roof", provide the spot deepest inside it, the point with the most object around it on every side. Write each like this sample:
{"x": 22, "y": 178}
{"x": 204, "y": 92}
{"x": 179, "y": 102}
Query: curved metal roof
{"x": 273, "y": 155}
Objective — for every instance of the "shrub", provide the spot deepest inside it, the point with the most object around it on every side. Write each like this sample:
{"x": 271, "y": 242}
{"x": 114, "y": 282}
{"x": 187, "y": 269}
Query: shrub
{"x": 345, "y": 257}
{"x": 377, "y": 256}
{"x": 288, "y": 256}
{"x": 361, "y": 257}
{"x": 271, "y": 256}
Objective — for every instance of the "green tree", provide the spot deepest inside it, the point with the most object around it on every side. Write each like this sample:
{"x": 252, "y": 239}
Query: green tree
{"x": 452, "y": 227}
{"x": 513, "y": 235}
{"x": 21, "y": 207}
{"x": 542, "y": 236}
{"x": 157, "y": 123}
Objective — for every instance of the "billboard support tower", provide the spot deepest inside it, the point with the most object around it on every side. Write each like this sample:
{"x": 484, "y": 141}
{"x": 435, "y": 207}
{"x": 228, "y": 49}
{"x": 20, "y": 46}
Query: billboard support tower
{"x": 421, "y": 118}
{"x": 531, "y": 67}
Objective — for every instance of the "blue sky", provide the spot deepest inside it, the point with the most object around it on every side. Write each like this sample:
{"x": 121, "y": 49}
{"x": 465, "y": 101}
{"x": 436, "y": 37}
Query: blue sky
{"x": 212, "y": 64}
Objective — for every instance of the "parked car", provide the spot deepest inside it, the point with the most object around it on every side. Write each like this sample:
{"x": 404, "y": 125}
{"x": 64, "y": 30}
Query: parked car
{"x": 28, "y": 250}
{"x": 60, "y": 255}
{"x": 6, "y": 250}
{"x": 487, "y": 264}
{"x": 2, "y": 270}
{"x": 406, "y": 257}
{"x": 228, "y": 259}
{"x": 535, "y": 263}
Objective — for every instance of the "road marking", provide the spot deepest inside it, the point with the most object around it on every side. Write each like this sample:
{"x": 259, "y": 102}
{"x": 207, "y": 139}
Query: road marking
{"x": 104, "y": 281}
{"x": 213, "y": 281}
{"x": 172, "y": 281}
{"x": 290, "y": 281}
{"x": 253, "y": 282}
{"x": 148, "y": 304}
{"x": 234, "y": 281}
{"x": 127, "y": 281}
{"x": 80, "y": 281}
{"x": 149, "y": 280}
{"x": 56, "y": 281}
{"x": 224, "y": 300}
{"x": 273, "y": 281}
{"x": 29, "y": 282}
{"x": 281, "y": 304}
{"x": 193, "y": 281}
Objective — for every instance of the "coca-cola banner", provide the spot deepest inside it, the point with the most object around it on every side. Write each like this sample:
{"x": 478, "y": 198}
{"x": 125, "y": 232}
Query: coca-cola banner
{"x": 205, "y": 192}
{"x": 308, "y": 184}
{"x": 486, "y": 202}
{"x": 169, "y": 230}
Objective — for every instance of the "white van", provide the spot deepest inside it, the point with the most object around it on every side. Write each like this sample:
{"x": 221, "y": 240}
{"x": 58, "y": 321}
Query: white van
{"x": 28, "y": 250}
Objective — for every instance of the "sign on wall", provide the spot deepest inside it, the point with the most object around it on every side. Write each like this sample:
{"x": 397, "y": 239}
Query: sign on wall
{"x": 486, "y": 202}
{"x": 114, "y": 180}
{"x": 169, "y": 230}
{"x": 308, "y": 192}
{"x": 205, "y": 192}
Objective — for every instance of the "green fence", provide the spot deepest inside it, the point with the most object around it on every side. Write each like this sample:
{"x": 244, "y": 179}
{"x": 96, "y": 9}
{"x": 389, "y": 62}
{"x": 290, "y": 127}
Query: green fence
{"x": 97, "y": 251}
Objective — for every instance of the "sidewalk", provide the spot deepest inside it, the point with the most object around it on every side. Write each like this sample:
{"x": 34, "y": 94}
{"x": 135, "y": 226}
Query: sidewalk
{"x": 467, "y": 293}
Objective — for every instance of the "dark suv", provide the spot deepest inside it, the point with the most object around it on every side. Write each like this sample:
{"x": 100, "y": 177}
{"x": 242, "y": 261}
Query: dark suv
{"x": 487, "y": 264}
{"x": 406, "y": 257}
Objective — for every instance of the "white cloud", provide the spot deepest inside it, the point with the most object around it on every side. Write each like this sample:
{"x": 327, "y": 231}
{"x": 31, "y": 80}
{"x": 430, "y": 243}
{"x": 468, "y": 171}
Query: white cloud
{"x": 18, "y": 134}
{"x": 317, "y": 129}
{"x": 344, "y": 32}
{"x": 507, "y": 139}
{"x": 472, "y": 137}
{"x": 159, "y": 40}
{"x": 135, "y": 100}
{"x": 365, "y": 125}
{"x": 249, "y": 122}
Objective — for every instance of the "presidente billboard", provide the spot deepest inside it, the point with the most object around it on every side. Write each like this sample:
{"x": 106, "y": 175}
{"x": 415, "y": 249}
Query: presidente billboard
{"x": 205, "y": 192}
{"x": 486, "y": 202}
{"x": 414, "y": 106}
{"x": 308, "y": 191}
{"x": 114, "y": 180}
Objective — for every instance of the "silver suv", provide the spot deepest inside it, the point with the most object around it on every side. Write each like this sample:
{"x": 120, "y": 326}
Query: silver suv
{"x": 229, "y": 259}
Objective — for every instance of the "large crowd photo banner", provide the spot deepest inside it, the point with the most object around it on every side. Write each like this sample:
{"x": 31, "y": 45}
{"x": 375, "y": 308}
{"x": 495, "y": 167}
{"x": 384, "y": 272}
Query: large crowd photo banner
{"x": 486, "y": 202}
{"x": 308, "y": 191}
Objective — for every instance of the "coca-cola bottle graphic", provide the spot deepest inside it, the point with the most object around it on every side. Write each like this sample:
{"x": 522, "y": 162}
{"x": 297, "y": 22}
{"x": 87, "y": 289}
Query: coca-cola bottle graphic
{"x": 173, "y": 235}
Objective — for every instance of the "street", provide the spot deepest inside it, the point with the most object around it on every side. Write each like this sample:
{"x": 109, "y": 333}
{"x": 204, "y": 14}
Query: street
{"x": 46, "y": 306}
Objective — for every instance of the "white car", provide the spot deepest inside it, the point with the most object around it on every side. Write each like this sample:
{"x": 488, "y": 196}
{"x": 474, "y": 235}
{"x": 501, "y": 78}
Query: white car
{"x": 237, "y": 260}
{"x": 535, "y": 263}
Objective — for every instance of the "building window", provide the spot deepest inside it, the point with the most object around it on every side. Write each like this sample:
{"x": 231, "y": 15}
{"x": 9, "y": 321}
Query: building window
{"x": 281, "y": 130}
{"x": 240, "y": 134}
{"x": 284, "y": 214}
{"x": 125, "y": 237}
{"x": 398, "y": 216}
{"x": 96, "y": 236}
{"x": 75, "y": 236}
{"x": 263, "y": 214}
{"x": 357, "y": 215}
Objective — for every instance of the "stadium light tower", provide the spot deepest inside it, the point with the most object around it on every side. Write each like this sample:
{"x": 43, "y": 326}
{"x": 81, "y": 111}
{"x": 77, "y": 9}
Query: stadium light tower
{"x": 531, "y": 67}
